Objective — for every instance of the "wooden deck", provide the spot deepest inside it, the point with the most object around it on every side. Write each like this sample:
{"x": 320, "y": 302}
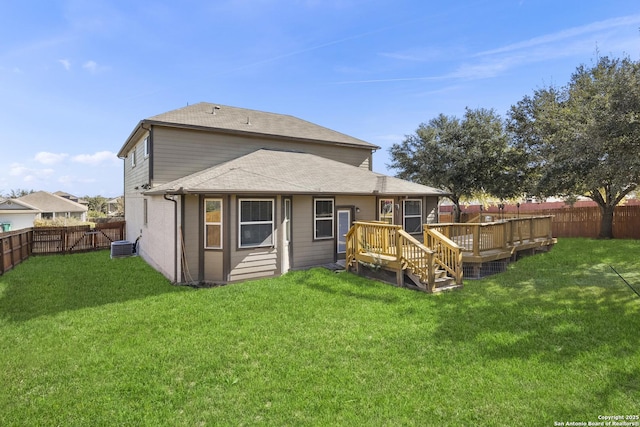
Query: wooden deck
{"x": 437, "y": 262}
{"x": 485, "y": 242}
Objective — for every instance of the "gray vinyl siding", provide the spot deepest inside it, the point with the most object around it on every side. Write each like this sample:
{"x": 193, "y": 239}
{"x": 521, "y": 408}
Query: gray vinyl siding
{"x": 431, "y": 210}
{"x": 213, "y": 266}
{"x": 181, "y": 152}
{"x": 366, "y": 205}
{"x": 306, "y": 251}
{"x": 137, "y": 175}
{"x": 190, "y": 239}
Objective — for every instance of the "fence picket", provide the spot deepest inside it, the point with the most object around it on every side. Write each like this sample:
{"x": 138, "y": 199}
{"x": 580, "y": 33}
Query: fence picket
{"x": 577, "y": 222}
{"x": 17, "y": 246}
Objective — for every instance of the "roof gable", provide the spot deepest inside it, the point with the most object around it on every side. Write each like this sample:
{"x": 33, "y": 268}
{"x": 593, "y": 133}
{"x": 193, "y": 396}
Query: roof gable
{"x": 227, "y": 119}
{"x": 286, "y": 172}
{"x": 17, "y": 206}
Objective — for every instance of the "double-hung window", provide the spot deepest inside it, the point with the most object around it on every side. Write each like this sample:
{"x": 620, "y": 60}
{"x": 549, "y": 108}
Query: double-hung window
{"x": 213, "y": 223}
{"x": 323, "y": 219}
{"x": 412, "y": 219}
{"x": 256, "y": 226}
{"x": 132, "y": 155}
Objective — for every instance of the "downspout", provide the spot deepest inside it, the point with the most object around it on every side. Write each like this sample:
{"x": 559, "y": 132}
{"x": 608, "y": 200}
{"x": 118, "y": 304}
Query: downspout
{"x": 175, "y": 236}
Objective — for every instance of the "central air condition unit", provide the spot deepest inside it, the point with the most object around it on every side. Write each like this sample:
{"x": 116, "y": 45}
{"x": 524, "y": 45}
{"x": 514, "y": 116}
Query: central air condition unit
{"x": 121, "y": 248}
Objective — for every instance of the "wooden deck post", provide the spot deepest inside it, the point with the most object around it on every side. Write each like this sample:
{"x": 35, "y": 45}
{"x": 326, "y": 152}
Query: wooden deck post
{"x": 532, "y": 230}
{"x": 476, "y": 240}
{"x": 505, "y": 233}
{"x": 400, "y": 278}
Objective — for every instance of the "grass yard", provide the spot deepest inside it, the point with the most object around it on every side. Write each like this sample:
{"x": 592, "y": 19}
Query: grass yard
{"x": 90, "y": 341}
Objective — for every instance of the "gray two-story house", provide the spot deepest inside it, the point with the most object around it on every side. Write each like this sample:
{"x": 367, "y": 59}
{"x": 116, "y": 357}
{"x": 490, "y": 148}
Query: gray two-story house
{"x": 218, "y": 194}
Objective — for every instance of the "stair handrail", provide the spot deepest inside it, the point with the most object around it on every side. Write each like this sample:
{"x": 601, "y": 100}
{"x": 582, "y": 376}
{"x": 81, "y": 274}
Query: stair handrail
{"x": 351, "y": 243}
{"x": 447, "y": 253}
{"x": 422, "y": 262}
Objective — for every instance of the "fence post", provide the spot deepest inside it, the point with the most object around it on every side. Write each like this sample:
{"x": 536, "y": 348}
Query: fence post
{"x": 1, "y": 255}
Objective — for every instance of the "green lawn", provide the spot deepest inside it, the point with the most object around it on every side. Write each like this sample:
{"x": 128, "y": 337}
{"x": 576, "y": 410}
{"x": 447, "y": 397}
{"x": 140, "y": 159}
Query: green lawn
{"x": 87, "y": 341}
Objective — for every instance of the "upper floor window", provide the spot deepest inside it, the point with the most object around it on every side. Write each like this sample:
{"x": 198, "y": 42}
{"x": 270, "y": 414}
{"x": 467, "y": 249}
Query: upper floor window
{"x": 323, "y": 218}
{"x": 213, "y": 223}
{"x": 146, "y": 147}
{"x": 412, "y": 219}
{"x": 132, "y": 155}
{"x": 256, "y": 226}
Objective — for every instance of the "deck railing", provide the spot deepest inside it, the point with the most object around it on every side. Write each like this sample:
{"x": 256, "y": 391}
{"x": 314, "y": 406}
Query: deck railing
{"x": 391, "y": 246}
{"x": 482, "y": 237}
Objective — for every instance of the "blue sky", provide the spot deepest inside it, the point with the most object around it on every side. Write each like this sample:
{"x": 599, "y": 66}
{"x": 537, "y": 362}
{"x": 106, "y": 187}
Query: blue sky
{"x": 76, "y": 76}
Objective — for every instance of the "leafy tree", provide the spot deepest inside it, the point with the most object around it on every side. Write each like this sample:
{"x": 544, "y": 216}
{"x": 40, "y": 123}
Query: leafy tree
{"x": 461, "y": 156}
{"x": 584, "y": 138}
{"x": 14, "y": 194}
{"x": 97, "y": 203}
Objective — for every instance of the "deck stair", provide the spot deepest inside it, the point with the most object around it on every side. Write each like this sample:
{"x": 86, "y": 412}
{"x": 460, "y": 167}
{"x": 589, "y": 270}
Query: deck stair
{"x": 380, "y": 246}
{"x": 436, "y": 263}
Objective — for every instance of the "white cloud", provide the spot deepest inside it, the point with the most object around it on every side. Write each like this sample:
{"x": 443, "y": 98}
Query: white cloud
{"x": 595, "y": 27}
{"x": 30, "y": 174}
{"x": 91, "y": 66}
{"x": 16, "y": 169}
{"x": 97, "y": 158}
{"x": 50, "y": 158}
{"x": 571, "y": 42}
{"x": 416, "y": 55}
{"x": 65, "y": 63}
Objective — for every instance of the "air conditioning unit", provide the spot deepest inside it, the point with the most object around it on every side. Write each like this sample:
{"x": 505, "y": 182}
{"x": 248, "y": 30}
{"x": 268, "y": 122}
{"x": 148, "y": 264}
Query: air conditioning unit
{"x": 121, "y": 248}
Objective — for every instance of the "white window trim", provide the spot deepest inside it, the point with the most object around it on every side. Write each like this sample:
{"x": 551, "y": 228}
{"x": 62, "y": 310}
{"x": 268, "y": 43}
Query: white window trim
{"x": 240, "y": 223}
{"x": 133, "y": 158}
{"x": 316, "y": 219}
{"x": 204, "y": 207}
{"x": 146, "y": 147}
{"x": 405, "y": 216}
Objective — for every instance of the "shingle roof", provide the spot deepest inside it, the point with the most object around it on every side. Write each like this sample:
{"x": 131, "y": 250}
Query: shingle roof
{"x": 285, "y": 172}
{"x": 223, "y": 118}
{"x": 229, "y": 118}
{"x": 48, "y": 202}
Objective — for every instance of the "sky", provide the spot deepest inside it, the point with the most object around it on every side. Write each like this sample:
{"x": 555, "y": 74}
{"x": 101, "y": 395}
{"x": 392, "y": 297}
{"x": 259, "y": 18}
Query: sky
{"x": 76, "y": 76}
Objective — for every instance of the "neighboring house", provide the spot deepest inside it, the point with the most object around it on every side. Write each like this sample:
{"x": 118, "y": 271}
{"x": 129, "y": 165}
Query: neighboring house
{"x": 72, "y": 198}
{"x": 221, "y": 194}
{"x": 55, "y": 207}
{"x": 114, "y": 206}
{"x": 16, "y": 214}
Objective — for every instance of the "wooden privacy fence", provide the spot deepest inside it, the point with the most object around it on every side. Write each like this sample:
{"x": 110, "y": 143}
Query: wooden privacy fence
{"x": 17, "y": 246}
{"x": 571, "y": 222}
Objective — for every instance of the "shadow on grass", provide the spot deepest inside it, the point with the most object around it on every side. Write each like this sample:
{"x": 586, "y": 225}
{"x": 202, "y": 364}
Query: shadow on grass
{"x": 48, "y": 285}
{"x": 554, "y": 309}
{"x": 344, "y": 284}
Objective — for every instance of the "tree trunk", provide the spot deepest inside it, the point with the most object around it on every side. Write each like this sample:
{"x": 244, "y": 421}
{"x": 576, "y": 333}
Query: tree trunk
{"x": 606, "y": 222}
{"x": 456, "y": 211}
